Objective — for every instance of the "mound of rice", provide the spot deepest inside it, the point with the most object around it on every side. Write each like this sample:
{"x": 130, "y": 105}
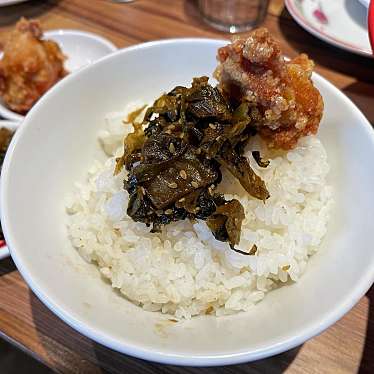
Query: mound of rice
{"x": 184, "y": 271}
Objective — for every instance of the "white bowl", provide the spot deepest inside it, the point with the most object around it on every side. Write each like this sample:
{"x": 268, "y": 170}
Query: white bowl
{"x": 11, "y": 125}
{"x": 36, "y": 179}
{"x": 80, "y": 47}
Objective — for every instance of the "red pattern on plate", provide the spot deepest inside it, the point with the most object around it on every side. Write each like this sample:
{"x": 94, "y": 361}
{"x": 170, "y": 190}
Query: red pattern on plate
{"x": 2, "y": 243}
{"x": 320, "y": 16}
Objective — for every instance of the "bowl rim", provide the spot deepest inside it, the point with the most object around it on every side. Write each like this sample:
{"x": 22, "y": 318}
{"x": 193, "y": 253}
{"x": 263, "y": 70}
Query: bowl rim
{"x": 69, "y": 317}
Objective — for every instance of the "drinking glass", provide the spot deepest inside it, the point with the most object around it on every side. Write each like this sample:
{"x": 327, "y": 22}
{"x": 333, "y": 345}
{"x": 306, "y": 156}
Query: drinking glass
{"x": 233, "y": 15}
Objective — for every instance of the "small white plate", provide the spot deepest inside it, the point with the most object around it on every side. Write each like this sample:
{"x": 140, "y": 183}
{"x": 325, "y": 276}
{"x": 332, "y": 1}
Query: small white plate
{"x": 10, "y": 2}
{"x": 342, "y": 23}
{"x": 80, "y": 47}
{"x": 11, "y": 125}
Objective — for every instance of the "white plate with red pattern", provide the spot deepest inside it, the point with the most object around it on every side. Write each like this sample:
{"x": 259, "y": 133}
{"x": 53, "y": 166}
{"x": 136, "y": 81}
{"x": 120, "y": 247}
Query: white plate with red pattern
{"x": 342, "y": 23}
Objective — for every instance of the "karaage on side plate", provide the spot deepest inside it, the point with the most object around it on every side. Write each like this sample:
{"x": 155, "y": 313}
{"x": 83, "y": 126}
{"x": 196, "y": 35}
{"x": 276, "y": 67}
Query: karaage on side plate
{"x": 29, "y": 67}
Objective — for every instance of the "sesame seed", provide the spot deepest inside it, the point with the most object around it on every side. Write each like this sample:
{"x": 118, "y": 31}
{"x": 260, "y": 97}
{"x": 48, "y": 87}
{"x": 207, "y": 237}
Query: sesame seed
{"x": 172, "y": 185}
{"x": 195, "y": 184}
{"x": 168, "y": 211}
{"x": 183, "y": 174}
{"x": 143, "y": 190}
{"x": 168, "y": 132}
{"x": 253, "y": 250}
{"x": 182, "y": 199}
{"x": 212, "y": 126}
{"x": 171, "y": 148}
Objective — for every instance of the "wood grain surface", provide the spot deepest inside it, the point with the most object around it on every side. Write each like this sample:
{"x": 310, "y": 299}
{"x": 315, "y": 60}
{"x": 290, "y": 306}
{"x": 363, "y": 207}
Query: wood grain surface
{"x": 346, "y": 347}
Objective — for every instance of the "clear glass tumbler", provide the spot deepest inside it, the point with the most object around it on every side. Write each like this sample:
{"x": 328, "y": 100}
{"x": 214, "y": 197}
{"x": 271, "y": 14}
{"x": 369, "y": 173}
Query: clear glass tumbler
{"x": 233, "y": 15}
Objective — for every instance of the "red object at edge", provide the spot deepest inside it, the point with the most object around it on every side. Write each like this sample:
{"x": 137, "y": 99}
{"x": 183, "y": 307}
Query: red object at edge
{"x": 371, "y": 24}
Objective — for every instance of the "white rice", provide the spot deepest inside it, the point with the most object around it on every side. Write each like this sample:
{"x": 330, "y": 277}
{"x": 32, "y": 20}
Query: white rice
{"x": 184, "y": 271}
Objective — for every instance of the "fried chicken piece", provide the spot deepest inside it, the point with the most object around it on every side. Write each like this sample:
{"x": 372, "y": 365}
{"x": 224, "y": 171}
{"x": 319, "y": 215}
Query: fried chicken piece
{"x": 284, "y": 103}
{"x": 29, "y": 67}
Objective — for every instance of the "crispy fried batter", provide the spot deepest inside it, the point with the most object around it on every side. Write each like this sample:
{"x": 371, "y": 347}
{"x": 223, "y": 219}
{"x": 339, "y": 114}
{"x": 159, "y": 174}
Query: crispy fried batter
{"x": 286, "y": 105}
{"x": 29, "y": 67}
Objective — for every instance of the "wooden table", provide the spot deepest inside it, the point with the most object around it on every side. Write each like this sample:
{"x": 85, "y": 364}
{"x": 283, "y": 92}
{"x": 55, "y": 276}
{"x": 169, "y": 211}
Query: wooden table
{"x": 346, "y": 347}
